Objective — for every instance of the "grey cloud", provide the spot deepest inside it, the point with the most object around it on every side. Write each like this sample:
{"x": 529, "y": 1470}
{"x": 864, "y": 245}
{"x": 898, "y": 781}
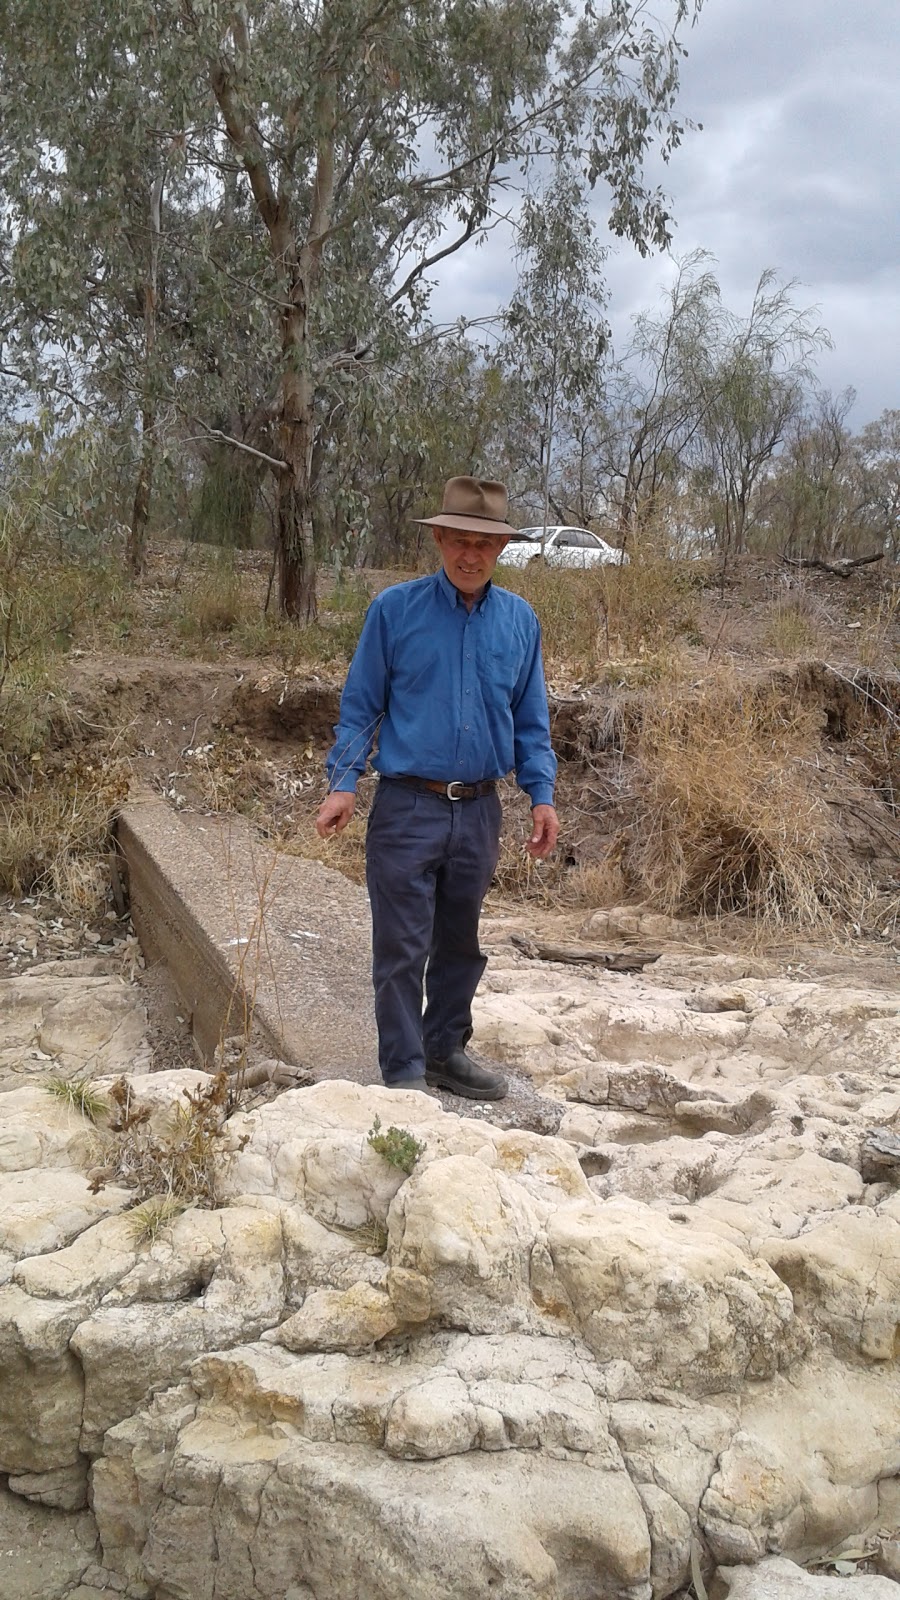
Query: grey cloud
{"x": 795, "y": 169}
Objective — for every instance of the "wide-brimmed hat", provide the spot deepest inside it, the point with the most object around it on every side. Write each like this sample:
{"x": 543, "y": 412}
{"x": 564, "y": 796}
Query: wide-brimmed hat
{"x": 473, "y": 506}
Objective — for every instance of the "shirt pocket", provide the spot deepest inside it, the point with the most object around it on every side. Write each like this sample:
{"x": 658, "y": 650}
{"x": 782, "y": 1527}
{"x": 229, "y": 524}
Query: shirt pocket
{"x": 502, "y": 669}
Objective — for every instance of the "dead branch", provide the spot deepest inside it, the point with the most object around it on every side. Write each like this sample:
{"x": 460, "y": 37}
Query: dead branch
{"x": 578, "y": 955}
{"x": 843, "y": 567}
{"x": 271, "y": 1070}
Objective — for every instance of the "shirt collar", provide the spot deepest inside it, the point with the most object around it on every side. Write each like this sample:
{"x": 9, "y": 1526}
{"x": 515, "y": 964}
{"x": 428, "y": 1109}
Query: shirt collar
{"x": 452, "y": 593}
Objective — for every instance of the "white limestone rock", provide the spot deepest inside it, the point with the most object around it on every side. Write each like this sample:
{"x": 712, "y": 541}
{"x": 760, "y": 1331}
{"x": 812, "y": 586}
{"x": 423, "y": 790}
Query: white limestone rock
{"x": 845, "y": 1278}
{"x": 285, "y": 1486}
{"x": 339, "y": 1319}
{"x": 76, "y": 1026}
{"x": 214, "y": 1281}
{"x": 685, "y": 1306}
{"x": 778, "y": 1579}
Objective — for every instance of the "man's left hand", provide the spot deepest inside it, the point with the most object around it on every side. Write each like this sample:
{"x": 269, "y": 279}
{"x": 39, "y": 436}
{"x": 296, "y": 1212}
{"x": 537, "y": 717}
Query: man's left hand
{"x": 544, "y": 832}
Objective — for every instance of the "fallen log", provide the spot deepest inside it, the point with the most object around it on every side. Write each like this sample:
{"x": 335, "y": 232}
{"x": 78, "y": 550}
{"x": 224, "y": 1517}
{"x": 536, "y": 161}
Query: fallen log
{"x": 842, "y": 567}
{"x": 578, "y": 955}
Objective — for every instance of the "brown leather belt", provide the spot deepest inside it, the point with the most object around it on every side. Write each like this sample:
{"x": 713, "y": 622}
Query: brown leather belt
{"x": 451, "y": 791}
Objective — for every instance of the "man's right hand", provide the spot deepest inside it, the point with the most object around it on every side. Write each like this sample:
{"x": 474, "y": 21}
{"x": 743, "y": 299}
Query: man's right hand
{"x": 334, "y": 814}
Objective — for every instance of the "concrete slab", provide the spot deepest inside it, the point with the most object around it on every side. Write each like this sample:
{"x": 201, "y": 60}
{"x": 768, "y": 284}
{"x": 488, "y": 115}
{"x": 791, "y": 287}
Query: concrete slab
{"x": 253, "y": 939}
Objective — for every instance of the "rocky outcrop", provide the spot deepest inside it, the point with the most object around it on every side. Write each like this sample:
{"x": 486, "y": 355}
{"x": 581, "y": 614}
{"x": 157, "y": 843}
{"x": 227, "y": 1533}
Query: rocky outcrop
{"x": 87, "y": 1023}
{"x": 531, "y": 1367}
{"x": 481, "y": 1378}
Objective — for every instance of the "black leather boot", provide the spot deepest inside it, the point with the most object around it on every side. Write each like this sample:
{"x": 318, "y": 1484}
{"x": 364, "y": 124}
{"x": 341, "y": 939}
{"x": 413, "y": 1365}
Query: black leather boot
{"x": 459, "y": 1074}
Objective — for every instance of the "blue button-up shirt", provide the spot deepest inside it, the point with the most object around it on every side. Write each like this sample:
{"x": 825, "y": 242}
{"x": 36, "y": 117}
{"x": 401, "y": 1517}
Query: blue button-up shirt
{"x": 449, "y": 693}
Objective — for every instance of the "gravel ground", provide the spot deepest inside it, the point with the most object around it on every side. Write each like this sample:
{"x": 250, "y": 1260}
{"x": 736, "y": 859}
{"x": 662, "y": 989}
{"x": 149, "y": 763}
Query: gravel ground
{"x": 523, "y": 1107}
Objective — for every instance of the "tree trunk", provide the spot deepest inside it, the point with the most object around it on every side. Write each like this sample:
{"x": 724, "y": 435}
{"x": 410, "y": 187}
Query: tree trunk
{"x": 296, "y": 554}
{"x": 140, "y": 514}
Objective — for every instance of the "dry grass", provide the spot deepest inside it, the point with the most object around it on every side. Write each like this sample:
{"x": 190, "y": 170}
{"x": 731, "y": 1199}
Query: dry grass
{"x": 878, "y": 643}
{"x": 794, "y": 627}
{"x": 728, "y": 819}
{"x": 329, "y": 642}
{"x": 613, "y": 614}
{"x": 55, "y": 832}
{"x": 212, "y": 602}
{"x": 147, "y": 1221}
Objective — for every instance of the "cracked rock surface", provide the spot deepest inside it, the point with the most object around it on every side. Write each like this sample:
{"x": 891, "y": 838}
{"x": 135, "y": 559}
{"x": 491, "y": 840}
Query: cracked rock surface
{"x": 534, "y": 1366}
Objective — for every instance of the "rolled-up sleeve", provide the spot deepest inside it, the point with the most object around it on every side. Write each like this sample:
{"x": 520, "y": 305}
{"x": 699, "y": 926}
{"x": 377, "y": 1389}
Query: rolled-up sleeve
{"x": 535, "y": 761}
{"x": 363, "y": 704}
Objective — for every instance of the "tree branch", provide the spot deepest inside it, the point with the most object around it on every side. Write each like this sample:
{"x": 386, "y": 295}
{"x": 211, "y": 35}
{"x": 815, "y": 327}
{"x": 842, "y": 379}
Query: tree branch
{"x": 449, "y": 249}
{"x": 842, "y": 567}
{"x": 238, "y": 444}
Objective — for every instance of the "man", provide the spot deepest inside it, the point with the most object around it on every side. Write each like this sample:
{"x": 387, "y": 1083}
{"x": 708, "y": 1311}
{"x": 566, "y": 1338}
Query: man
{"x": 448, "y": 675}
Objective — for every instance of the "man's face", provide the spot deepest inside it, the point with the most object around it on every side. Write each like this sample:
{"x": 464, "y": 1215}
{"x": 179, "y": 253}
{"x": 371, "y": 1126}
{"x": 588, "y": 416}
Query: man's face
{"x": 469, "y": 558}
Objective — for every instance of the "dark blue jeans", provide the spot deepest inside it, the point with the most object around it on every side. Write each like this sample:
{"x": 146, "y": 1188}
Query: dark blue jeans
{"x": 429, "y": 862}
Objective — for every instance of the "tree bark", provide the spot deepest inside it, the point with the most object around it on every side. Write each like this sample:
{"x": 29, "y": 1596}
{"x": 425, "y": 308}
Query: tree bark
{"x": 296, "y": 555}
{"x": 140, "y": 513}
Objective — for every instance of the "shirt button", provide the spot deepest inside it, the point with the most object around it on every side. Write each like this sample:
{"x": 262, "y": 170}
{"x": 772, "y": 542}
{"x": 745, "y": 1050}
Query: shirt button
{"x": 465, "y": 727}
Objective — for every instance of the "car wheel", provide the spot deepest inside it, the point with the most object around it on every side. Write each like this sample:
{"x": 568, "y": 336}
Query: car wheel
{"x": 537, "y": 561}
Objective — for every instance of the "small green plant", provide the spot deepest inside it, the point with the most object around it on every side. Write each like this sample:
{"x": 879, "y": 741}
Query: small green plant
{"x": 148, "y": 1220}
{"x": 398, "y": 1146}
{"x": 80, "y": 1095}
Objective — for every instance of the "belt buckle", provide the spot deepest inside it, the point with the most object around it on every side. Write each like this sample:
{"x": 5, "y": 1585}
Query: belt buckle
{"x": 456, "y": 783}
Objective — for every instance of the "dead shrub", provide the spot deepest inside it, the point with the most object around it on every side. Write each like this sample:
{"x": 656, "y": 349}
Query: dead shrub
{"x": 178, "y": 1163}
{"x": 727, "y": 819}
{"x": 566, "y": 604}
{"x": 649, "y": 604}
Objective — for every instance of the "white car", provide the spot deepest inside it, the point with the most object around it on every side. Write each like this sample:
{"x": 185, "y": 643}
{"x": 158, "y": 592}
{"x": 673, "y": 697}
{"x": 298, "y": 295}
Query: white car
{"x": 563, "y": 547}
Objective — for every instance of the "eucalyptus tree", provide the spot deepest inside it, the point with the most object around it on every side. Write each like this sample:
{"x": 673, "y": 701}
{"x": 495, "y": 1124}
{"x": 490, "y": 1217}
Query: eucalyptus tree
{"x": 441, "y": 409}
{"x": 283, "y": 177}
{"x": 877, "y": 452}
{"x": 811, "y": 502}
{"x": 661, "y": 394}
{"x": 555, "y": 331}
{"x": 756, "y": 380}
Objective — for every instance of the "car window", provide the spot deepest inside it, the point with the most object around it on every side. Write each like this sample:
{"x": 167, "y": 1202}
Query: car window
{"x": 591, "y": 542}
{"x": 568, "y": 537}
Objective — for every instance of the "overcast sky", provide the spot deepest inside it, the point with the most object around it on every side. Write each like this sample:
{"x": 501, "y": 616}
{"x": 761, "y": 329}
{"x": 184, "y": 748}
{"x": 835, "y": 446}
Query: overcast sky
{"x": 797, "y": 168}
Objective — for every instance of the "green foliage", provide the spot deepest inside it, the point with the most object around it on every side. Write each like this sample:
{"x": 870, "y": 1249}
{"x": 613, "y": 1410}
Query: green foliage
{"x": 398, "y": 1146}
{"x": 57, "y": 580}
{"x": 220, "y": 223}
{"x": 556, "y": 335}
{"x": 80, "y": 1094}
{"x": 225, "y": 503}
